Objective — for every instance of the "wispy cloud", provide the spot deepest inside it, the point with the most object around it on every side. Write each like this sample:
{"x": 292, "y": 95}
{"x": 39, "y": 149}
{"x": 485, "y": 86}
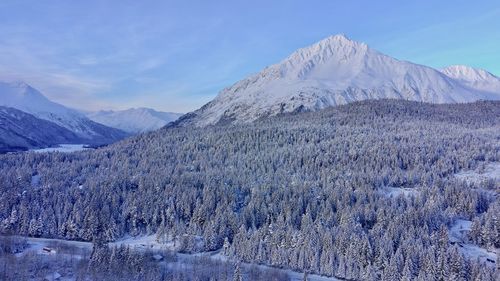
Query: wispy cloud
{"x": 176, "y": 55}
{"x": 85, "y": 59}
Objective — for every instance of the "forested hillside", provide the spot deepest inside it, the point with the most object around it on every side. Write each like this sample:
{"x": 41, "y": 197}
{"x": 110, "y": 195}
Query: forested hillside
{"x": 22, "y": 131}
{"x": 304, "y": 191}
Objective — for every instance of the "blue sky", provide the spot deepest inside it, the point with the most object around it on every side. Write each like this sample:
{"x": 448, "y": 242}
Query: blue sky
{"x": 177, "y": 55}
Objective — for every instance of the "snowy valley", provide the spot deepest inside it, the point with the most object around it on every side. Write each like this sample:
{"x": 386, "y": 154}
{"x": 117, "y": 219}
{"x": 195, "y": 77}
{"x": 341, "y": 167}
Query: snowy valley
{"x": 249, "y": 140}
{"x": 31, "y": 121}
{"x": 39, "y": 122}
{"x": 339, "y": 163}
{"x": 366, "y": 191}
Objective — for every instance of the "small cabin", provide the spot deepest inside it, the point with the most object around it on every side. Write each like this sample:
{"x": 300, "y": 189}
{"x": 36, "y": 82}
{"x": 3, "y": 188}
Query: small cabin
{"x": 48, "y": 250}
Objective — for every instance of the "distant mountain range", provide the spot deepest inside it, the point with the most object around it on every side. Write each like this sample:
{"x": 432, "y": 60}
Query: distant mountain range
{"x": 30, "y": 120}
{"x": 331, "y": 72}
{"x": 337, "y": 71}
{"x": 23, "y": 97}
{"x": 134, "y": 120}
{"x": 21, "y": 131}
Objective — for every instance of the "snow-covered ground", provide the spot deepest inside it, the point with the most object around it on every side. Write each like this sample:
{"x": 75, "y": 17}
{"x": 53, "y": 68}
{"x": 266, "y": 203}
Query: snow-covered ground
{"x": 59, "y": 253}
{"x": 37, "y": 245}
{"x": 294, "y": 275}
{"x": 150, "y": 242}
{"x": 458, "y": 235}
{"x": 458, "y": 231}
{"x": 35, "y": 180}
{"x": 491, "y": 171}
{"x": 396, "y": 191}
{"x": 63, "y": 148}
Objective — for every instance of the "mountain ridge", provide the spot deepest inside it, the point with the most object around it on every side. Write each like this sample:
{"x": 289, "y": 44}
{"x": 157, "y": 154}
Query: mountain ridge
{"x": 23, "y": 97}
{"x": 333, "y": 71}
{"x": 21, "y": 131}
{"x": 134, "y": 120}
{"x": 475, "y": 78}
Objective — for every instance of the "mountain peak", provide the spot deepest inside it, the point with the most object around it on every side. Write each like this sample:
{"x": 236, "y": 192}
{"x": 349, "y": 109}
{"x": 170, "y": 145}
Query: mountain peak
{"x": 20, "y": 84}
{"x": 334, "y": 71}
{"x": 331, "y": 45}
{"x": 16, "y": 84}
{"x": 338, "y": 39}
{"x": 19, "y": 90}
{"x": 333, "y": 50}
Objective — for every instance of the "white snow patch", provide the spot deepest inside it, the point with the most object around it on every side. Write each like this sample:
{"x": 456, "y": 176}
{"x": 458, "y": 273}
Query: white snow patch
{"x": 143, "y": 242}
{"x": 53, "y": 276}
{"x": 63, "y": 148}
{"x": 294, "y": 275}
{"x": 390, "y": 191}
{"x": 157, "y": 257}
{"x": 36, "y": 245}
{"x": 489, "y": 171}
{"x": 458, "y": 235}
{"x": 459, "y": 230}
{"x": 297, "y": 276}
{"x": 35, "y": 180}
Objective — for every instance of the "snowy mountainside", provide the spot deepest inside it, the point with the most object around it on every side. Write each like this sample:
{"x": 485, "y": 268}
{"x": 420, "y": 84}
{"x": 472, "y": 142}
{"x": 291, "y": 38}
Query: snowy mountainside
{"x": 134, "y": 120}
{"x": 22, "y": 131}
{"x": 333, "y": 167}
{"x": 331, "y": 72}
{"x": 23, "y": 97}
{"x": 474, "y": 78}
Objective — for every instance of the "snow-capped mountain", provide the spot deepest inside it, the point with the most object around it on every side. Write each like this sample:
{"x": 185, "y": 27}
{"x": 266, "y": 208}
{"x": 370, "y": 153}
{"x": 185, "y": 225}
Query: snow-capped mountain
{"x": 134, "y": 120}
{"x": 331, "y": 72}
{"x": 22, "y": 96}
{"x": 22, "y": 131}
{"x": 474, "y": 78}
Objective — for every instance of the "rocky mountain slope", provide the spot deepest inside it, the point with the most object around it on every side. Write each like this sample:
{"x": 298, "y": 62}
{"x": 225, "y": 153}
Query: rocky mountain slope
{"x": 331, "y": 72}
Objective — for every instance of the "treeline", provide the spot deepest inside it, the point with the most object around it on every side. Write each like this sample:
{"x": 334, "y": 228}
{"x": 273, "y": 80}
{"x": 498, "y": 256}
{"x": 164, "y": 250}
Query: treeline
{"x": 302, "y": 191}
{"x": 120, "y": 263}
